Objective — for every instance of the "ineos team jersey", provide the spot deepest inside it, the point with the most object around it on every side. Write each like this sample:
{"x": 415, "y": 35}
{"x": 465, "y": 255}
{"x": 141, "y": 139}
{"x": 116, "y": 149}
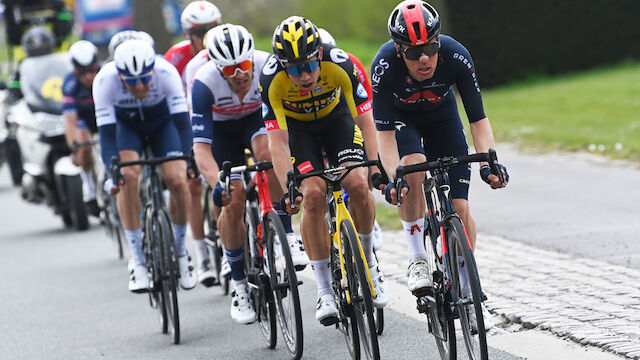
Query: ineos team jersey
{"x": 115, "y": 103}
{"x": 213, "y": 99}
{"x": 397, "y": 95}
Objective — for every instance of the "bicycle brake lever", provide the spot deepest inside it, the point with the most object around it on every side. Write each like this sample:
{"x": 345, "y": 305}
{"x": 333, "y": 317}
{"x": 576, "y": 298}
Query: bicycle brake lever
{"x": 291, "y": 188}
{"x": 495, "y": 168}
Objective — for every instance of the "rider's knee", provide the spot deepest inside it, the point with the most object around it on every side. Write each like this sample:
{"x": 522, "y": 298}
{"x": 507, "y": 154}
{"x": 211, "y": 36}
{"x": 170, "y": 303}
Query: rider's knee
{"x": 130, "y": 175}
{"x": 175, "y": 180}
{"x": 195, "y": 186}
{"x": 315, "y": 200}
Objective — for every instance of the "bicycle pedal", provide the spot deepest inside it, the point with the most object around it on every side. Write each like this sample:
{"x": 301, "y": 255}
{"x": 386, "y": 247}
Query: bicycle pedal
{"x": 422, "y": 292}
{"x": 331, "y": 320}
{"x": 299, "y": 267}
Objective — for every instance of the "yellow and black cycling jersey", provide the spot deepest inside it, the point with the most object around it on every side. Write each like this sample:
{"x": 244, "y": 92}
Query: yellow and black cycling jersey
{"x": 337, "y": 85}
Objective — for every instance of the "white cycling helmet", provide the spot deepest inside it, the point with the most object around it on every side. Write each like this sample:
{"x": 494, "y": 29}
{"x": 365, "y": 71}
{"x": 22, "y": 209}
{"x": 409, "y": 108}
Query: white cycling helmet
{"x": 83, "y": 53}
{"x": 125, "y": 35}
{"x": 229, "y": 44}
{"x": 326, "y": 38}
{"x": 199, "y": 13}
{"x": 134, "y": 58}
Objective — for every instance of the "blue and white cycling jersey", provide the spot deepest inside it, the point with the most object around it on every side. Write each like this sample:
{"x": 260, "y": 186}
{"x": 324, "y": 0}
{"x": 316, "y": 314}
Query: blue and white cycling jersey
{"x": 159, "y": 116}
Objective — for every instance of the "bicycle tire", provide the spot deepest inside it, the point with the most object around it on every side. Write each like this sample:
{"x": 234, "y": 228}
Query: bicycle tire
{"x": 362, "y": 302}
{"x": 476, "y": 344}
{"x": 285, "y": 286}
{"x": 170, "y": 274}
{"x": 379, "y": 313}
{"x": 153, "y": 254}
{"x": 214, "y": 250}
{"x": 347, "y": 323}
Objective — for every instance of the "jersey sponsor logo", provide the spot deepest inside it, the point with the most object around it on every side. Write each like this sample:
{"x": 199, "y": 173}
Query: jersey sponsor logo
{"x": 414, "y": 228}
{"x": 350, "y": 152}
{"x": 271, "y": 66}
{"x": 314, "y": 104}
{"x": 303, "y": 93}
{"x": 377, "y": 71}
{"x": 409, "y": 80}
{"x": 364, "y": 107}
{"x": 196, "y": 127}
{"x": 271, "y": 125}
{"x": 399, "y": 125}
{"x": 265, "y": 110}
{"x": 469, "y": 66}
{"x": 196, "y": 115}
{"x": 464, "y": 181}
{"x": 357, "y": 136}
{"x": 317, "y": 89}
{"x": 305, "y": 167}
{"x": 427, "y": 95}
{"x": 360, "y": 91}
{"x": 338, "y": 56}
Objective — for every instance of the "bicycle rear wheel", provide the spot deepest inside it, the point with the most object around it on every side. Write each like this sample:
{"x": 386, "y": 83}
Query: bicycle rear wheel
{"x": 284, "y": 283}
{"x": 169, "y": 273}
{"x": 153, "y": 252}
{"x": 347, "y": 322}
{"x": 475, "y": 339}
{"x": 360, "y": 292}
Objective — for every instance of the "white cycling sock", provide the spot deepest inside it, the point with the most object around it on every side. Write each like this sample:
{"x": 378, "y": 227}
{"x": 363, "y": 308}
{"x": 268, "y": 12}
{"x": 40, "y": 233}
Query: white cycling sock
{"x": 179, "y": 232}
{"x": 322, "y": 272}
{"x": 134, "y": 238}
{"x": 413, "y": 232}
{"x": 202, "y": 253}
{"x": 464, "y": 277}
{"x": 88, "y": 186}
{"x": 367, "y": 246}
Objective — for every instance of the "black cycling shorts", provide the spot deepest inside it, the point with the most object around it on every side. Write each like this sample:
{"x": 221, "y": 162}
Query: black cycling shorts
{"x": 231, "y": 137}
{"x": 337, "y": 134}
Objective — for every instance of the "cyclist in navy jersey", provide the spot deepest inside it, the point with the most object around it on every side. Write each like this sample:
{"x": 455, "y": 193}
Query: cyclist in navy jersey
{"x": 80, "y": 114}
{"x": 414, "y": 107}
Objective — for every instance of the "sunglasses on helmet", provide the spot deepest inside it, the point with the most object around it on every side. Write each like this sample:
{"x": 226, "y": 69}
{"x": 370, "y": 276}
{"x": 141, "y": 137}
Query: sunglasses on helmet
{"x": 414, "y": 52}
{"x": 296, "y": 70}
{"x": 132, "y": 81}
{"x": 232, "y": 70}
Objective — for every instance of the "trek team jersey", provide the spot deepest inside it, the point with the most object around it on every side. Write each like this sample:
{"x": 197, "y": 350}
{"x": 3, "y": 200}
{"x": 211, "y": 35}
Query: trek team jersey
{"x": 213, "y": 99}
{"x": 115, "y": 103}
{"x": 179, "y": 55}
{"x": 78, "y": 99}
{"x": 337, "y": 85}
{"x": 396, "y": 95}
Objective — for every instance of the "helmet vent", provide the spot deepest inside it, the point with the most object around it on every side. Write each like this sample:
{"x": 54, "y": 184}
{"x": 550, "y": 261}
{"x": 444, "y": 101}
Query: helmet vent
{"x": 416, "y": 29}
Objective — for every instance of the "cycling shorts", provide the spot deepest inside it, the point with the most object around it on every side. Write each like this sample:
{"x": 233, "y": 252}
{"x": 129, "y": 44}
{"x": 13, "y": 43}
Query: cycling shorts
{"x": 337, "y": 133}
{"x": 231, "y": 137}
{"x": 444, "y": 137}
{"x": 163, "y": 137}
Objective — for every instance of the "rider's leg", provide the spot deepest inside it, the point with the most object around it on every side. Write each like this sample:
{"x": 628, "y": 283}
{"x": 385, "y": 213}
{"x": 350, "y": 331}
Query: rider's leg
{"x": 85, "y": 159}
{"x": 413, "y": 208}
{"x": 174, "y": 174}
{"x": 129, "y": 206}
{"x": 196, "y": 218}
{"x": 362, "y": 209}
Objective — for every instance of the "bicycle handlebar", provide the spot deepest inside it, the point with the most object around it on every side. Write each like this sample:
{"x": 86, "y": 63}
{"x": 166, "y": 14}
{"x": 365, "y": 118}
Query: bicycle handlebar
{"x": 225, "y": 174}
{"x": 116, "y": 165}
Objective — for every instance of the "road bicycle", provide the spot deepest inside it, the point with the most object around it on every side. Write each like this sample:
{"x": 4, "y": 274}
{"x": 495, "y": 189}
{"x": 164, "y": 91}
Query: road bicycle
{"x": 351, "y": 280}
{"x": 158, "y": 242}
{"x": 212, "y": 239}
{"x": 445, "y": 239}
{"x": 272, "y": 279}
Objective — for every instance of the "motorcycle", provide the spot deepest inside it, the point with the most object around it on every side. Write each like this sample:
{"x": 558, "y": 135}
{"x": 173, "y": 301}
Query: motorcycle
{"x": 49, "y": 175}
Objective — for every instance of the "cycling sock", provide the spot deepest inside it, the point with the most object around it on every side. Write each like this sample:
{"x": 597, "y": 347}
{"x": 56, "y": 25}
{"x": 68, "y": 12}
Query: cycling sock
{"x": 88, "y": 186}
{"x": 284, "y": 217}
{"x": 235, "y": 259}
{"x": 413, "y": 232}
{"x": 202, "y": 253}
{"x": 464, "y": 277}
{"x": 367, "y": 246}
{"x": 179, "y": 232}
{"x": 236, "y": 283}
{"x": 322, "y": 272}
{"x": 134, "y": 238}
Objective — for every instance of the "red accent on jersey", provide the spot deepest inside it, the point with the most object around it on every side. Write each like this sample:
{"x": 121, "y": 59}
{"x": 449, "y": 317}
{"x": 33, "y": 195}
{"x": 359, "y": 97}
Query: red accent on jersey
{"x": 415, "y": 227}
{"x": 363, "y": 108}
{"x": 305, "y": 167}
{"x": 236, "y": 109}
{"x": 303, "y": 93}
{"x": 412, "y": 13}
{"x": 271, "y": 125}
{"x": 180, "y": 54}
{"x": 361, "y": 74}
{"x": 426, "y": 95}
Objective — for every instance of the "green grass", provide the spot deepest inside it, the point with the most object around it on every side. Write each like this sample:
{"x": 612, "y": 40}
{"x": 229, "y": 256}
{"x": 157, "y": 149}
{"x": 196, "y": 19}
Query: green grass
{"x": 597, "y": 110}
{"x": 388, "y": 218}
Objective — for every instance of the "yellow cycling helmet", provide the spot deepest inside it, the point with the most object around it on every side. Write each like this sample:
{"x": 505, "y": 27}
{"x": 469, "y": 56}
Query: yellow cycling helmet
{"x": 295, "y": 40}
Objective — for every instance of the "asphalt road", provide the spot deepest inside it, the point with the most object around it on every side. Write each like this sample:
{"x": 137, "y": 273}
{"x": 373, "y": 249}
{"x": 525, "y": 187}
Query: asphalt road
{"x": 64, "y": 296}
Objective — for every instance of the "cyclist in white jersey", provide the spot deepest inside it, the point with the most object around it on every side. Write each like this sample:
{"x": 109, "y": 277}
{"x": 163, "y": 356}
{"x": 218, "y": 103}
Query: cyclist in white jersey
{"x": 226, "y": 119}
{"x": 139, "y": 100}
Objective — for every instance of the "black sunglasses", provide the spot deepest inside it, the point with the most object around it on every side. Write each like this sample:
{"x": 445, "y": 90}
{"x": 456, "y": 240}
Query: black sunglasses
{"x": 199, "y": 31}
{"x": 414, "y": 52}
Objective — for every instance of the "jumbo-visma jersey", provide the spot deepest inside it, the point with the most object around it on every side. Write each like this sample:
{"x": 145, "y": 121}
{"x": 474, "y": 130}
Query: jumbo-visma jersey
{"x": 337, "y": 85}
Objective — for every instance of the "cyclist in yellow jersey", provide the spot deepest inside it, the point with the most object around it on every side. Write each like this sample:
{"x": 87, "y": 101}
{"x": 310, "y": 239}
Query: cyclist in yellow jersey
{"x": 310, "y": 95}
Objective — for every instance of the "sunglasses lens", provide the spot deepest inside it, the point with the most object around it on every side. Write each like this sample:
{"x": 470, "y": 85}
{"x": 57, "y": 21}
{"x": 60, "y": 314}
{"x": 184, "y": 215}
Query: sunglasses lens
{"x": 431, "y": 48}
{"x": 232, "y": 70}
{"x": 133, "y": 81}
{"x": 299, "y": 69}
{"x": 293, "y": 70}
{"x": 414, "y": 52}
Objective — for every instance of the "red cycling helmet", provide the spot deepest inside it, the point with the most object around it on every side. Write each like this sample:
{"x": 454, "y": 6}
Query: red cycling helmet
{"x": 414, "y": 22}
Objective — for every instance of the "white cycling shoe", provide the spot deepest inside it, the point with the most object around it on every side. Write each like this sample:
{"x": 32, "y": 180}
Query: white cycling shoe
{"x": 486, "y": 315}
{"x": 418, "y": 275}
{"x": 298, "y": 255}
{"x": 138, "y": 278}
{"x": 188, "y": 279}
{"x": 380, "y": 286}
{"x": 241, "y": 310}
{"x": 327, "y": 310}
{"x": 225, "y": 268}
{"x": 377, "y": 236}
{"x": 205, "y": 274}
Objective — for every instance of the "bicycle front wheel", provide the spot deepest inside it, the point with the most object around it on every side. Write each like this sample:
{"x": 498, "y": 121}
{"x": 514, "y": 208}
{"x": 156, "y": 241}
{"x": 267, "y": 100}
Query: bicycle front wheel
{"x": 475, "y": 339}
{"x": 360, "y": 292}
{"x": 170, "y": 273}
{"x": 212, "y": 239}
{"x": 284, "y": 283}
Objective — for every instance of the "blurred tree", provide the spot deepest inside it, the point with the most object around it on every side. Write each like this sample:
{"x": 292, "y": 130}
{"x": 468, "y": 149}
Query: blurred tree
{"x": 148, "y": 16}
